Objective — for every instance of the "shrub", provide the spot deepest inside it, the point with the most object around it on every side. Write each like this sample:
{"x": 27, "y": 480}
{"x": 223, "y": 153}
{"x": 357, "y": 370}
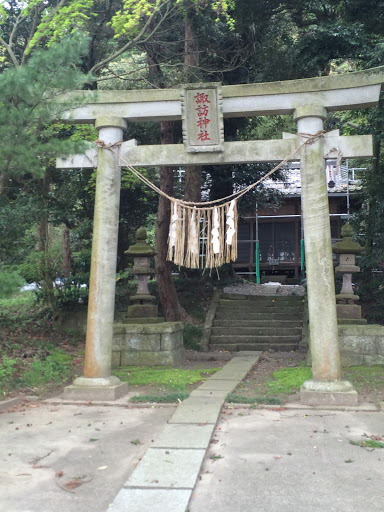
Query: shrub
{"x": 6, "y": 371}
{"x": 53, "y": 368}
{"x": 192, "y": 336}
{"x": 10, "y": 282}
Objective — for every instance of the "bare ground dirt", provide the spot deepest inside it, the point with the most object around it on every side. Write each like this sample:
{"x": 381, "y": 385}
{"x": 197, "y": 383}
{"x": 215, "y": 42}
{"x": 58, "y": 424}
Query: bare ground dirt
{"x": 368, "y": 381}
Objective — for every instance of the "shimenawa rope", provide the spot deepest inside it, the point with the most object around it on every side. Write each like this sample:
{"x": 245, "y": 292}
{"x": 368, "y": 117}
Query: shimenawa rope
{"x": 219, "y": 245}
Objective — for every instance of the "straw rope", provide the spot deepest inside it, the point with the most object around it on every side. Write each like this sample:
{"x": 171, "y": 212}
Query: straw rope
{"x": 220, "y": 245}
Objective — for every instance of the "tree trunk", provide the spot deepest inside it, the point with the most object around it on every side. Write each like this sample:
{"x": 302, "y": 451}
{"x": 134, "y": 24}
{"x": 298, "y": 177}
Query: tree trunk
{"x": 191, "y": 61}
{"x": 192, "y": 184}
{"x": 191, "y": 50}
{"x": 222, "y": 182}
{"x": 372, "y": 201}
{"x": 192, "y": 187}
{"x": 4, "y": 177}
{"x": 43, "y": 242}
{"x": 192, "y": 192}
{"x": 170, "y": 304}
{"x": 172, "y": 310}
{"x": 66, "y": 252}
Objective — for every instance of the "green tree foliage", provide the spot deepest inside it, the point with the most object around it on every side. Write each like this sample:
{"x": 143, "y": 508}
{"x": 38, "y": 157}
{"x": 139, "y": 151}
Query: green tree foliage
{"x": 30, "y": 101}
{"x": 130, "y": 18}
{"x": 32, "y": 98}
{"x": 30, "y": 23}
{"x": 144, "y": 43}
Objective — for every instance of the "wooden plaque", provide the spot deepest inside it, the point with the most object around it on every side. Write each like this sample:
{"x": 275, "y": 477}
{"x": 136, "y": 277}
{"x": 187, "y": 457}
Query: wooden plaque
{"x": 202, "y": 115}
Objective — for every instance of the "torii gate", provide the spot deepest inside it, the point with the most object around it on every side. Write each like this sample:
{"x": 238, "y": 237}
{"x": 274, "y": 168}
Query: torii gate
{"x": 308, "y": 100}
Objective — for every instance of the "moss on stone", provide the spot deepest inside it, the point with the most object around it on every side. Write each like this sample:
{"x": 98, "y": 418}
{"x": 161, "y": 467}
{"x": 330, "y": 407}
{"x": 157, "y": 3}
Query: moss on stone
{"x": 141, "y": 248}
{"x": 347, "y": 245}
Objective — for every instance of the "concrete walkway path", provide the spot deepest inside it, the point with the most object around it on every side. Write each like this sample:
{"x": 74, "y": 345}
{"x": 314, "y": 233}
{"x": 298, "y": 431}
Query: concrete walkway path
{"x": 71, "y": 458}
{"x": 165, "y": 477}
{"x": 196, "y": 457}
{"x": 292, "y": 461}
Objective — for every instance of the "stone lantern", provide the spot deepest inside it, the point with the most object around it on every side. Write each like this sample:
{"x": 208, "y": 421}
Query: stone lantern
{"x": 143, "y": 338}
{"x": 142, "y": 308}
{"x": 347, "y": 249}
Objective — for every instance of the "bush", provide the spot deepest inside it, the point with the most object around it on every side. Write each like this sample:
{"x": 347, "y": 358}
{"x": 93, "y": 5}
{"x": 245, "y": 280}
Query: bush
{"x": 371, "y": 292}
{"x": 53, "y": 368}
{"x": 10, "y": 283}
{"x": 70, "y": 296}
{"x": 192, "y": 336}
{"x": 6, "y": 372}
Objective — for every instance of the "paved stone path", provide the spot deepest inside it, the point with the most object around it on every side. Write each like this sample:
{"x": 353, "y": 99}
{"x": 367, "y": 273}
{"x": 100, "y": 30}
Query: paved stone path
{"x": 166, "y": 475}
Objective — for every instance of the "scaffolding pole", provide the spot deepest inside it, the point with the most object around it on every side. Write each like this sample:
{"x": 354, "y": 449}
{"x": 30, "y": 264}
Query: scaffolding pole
{"x": 348, "y": 203}
{"x": 302, "y": 248}
{"x": 257, "y": 254}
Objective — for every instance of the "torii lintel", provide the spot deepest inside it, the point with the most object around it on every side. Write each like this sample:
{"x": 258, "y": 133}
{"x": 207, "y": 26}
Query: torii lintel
{"x": 357, "y": 146}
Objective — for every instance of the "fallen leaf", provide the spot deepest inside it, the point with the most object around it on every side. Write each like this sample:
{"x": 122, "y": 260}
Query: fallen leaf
{"x": 102, "y": 467}
{"x": 59, "y": 474}
{"x": 216, "y": 457}
{"x": 72, "y": 484}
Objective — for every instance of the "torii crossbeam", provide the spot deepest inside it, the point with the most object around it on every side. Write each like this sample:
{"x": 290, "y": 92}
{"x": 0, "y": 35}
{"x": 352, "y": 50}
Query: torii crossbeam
{"x": 308, "y": 100}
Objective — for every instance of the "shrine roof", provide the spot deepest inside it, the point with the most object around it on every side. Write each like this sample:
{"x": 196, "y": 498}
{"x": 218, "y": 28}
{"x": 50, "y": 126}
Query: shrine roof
{"x": 339, "y": 181}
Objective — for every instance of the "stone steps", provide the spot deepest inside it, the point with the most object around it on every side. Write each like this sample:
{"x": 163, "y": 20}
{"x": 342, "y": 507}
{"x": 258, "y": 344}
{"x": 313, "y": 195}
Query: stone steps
{"x": 262, "y": 298}
{"x": 257, "y": 323}
{"x": 236, "y": 347}
{"x": 254, "y": 339}
{"x": 229, "y": 322}
{"x": 246, "y": 330}
{"x": 260, "y": 310}
{"x": 246, "y": 315}
{"x": 255, "y": 303}
{"x": 289, "y": 306}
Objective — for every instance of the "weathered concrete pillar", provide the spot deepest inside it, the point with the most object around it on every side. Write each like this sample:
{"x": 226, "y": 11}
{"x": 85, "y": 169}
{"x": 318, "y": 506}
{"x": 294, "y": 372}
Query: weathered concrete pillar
{"x": 326, "y": 386}
{"x": 97, "y": 382}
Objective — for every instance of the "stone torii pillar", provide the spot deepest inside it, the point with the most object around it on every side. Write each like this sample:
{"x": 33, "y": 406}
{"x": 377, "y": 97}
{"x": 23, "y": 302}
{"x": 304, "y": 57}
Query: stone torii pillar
{"x": 97, "y": 382}
{"x": 326, "y": 385}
